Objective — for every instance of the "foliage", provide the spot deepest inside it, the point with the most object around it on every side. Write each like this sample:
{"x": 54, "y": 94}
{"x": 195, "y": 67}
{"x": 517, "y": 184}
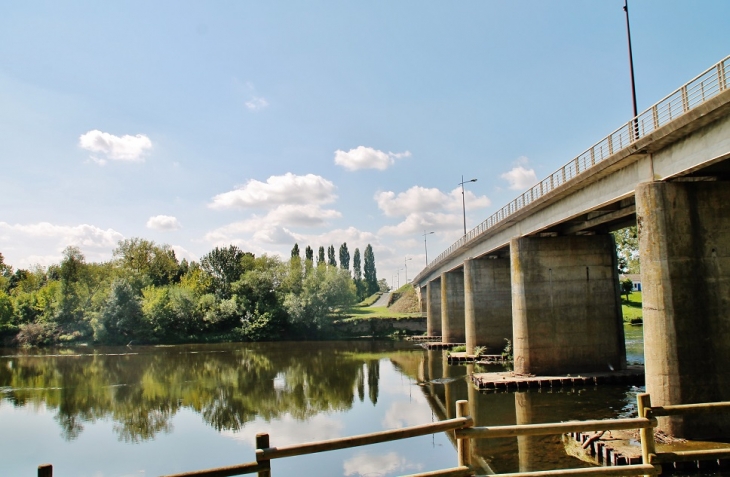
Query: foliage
{"x": 325, "y": 291}
{"x": 331, "y": 260}
{"x": 507, "y": 352}
{"x": 224, "y": 265}
{"x": 627, "y": 286}
{"x": 144, "y": 295}
{"x": 627, "y": 249}
{"x": 320, "y": 256}
{"x": 370, "y": 274}
{"x": 344, "y": 257}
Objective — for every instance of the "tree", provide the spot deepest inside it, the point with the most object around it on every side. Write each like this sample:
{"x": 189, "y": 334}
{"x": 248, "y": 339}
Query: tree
{"x": 357, "y": 272}
{"x": 225, "y": 266}
{"x": 120, "y": 319}
{"x": 147, "y": 261}
{"x": 371, "y": 277}
{"x": 627, "y": 250}
{"x": 356, "y": 266}
{"x": 344, "y": 257}
{"x": 627, "y": 286}
{"x": 73, "y": 266}
{"x": 309, "y": 254}
{"x": 295, "y": 251}
{"x": 331, "y": 256}
{"x": 320, "y": 256}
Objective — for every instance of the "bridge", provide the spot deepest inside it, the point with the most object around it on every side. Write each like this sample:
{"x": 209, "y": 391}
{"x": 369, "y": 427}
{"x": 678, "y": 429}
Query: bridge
{"x": 542, "y": 271}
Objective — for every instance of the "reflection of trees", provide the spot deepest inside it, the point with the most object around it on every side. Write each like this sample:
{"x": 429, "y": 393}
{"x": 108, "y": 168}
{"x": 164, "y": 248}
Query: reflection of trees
{"x": 142, "y": 388}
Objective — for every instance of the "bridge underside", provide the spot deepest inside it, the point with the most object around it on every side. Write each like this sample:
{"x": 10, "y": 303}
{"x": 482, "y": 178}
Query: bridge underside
{"x": 676, "y": 187}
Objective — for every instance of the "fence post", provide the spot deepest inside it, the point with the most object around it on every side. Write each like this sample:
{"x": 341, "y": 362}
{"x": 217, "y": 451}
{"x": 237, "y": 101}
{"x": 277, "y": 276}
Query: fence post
{"x": 643, "y": 402}
{"x": 45, "y": 470}
{"x": 462, "y": 444}
{"x": 262, "y": 442}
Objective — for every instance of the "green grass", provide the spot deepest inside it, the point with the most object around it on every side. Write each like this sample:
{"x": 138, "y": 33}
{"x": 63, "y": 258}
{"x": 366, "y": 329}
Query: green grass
{"x": 377, "y": 312}
{"x": 369, "y": 300}
{"x": 632, "y": 307}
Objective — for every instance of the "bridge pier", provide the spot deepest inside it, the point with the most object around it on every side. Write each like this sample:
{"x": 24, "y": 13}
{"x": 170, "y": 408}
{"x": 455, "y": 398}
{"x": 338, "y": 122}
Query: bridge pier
{"x": 453, "y": 329}
{"x": 684, "y": 244}
{"x": 433, "y": 308}
{"x": 566, "y": 305}
{"x": 487, "y": 304}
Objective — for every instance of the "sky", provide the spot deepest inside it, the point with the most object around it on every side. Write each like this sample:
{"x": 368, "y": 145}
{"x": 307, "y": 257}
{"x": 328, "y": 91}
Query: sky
{"x": 265, "y": 124}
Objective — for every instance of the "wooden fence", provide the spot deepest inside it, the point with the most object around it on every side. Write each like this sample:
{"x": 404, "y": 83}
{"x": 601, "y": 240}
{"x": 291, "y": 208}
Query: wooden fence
{"x": 464, "y": 430}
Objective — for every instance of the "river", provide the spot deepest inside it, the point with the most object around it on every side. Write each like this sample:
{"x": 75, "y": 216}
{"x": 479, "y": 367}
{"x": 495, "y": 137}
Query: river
{"x": 153, "y": 410}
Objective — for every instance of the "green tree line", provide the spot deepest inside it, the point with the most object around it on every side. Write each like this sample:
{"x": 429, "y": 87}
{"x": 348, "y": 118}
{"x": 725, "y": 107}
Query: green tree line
{"x": 146, "y": 295}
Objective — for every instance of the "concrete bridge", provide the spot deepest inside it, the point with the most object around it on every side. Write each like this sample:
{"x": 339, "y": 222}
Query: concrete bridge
{"x": 542, "y": 271}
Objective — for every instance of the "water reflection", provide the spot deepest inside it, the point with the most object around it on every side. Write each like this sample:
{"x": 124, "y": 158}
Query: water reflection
{"x": 228, "y": 385}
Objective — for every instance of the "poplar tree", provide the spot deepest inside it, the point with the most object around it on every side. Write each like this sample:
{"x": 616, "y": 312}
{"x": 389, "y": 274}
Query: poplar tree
{"x": 320, "y": 256}
{"x": 295, "y": 251}
{"x": 309, "y": 253}
{"x": 331, "y": 256}
{"x": 344, "y": 257}
{"x": 356, "y": 267}
{"x": 371, "y": 278}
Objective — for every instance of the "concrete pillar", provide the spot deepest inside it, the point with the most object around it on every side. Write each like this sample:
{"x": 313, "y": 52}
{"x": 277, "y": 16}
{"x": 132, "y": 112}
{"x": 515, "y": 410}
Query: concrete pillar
{"x": 487, "y": 304}
{"x": 453, "y": 329}
{"x": 422, "y": 301}
{"x": 433, "y": 308}
{"x": 565, "y": 305}
{"x": 684, "y": 245}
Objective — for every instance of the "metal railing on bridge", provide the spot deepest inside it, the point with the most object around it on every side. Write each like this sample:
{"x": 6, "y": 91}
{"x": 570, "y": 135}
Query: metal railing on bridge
{"x": 700, "y": 89}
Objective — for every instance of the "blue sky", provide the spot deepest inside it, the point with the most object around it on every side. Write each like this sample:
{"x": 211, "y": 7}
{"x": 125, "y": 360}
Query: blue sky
{"x": 200, "y": 124}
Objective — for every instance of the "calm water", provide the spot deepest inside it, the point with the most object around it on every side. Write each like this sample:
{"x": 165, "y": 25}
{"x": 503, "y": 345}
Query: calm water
{"x": 148, "y": 411}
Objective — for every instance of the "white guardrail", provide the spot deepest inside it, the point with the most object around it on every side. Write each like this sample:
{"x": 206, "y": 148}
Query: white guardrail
{"x": 700, "y": 89}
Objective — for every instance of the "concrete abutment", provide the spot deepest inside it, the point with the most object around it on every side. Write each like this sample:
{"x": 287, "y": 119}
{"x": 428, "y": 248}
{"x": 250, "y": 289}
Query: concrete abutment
{"x": 684, "y": 244}
{"x": 565, "y": 305}
{"x": 433, "y": 308}
{"x": 453, "y": 329}
{"x": 487, "y": 304}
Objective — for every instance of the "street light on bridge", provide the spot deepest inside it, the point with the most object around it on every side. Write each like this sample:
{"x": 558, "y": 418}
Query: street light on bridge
{"x": 425, "y": 248}
{"x": 405, "y": 264}
{"x": 463, "y": 204}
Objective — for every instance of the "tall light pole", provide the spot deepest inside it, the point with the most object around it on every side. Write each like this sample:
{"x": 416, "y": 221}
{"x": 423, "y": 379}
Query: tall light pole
{"x": 425, "y": 248}
{"x": 405, "y": 264}
{"x": 631, "y": 69}
{"x": 398, "y": 275}
{"x": 463, "y": 204}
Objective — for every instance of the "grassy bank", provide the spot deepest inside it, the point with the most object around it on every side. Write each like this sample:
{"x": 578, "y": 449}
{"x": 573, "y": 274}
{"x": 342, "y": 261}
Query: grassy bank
{"x": 631, "y": 308}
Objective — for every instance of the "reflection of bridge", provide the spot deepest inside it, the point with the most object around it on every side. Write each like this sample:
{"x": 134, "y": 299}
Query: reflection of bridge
{"x": 542, "y": 270}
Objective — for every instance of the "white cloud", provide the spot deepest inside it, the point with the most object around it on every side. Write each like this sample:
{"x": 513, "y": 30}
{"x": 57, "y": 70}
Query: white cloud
{"x": 426, "y": 209}
{"x": 163, "y": 222}
{"x": 125, "y": 148}
{"x": 520, "y": 177}
{"x": 402, "y": 414}
{"x": 367, "y": 158}
{"x": 306, "y": 215}
{"x": 20, "y": 241}
{"x": 289, "y": 431}
{"x": 181, "y": 252}
{"x": 257, "y": 103}
{"x": 365, "y": 463}
{"x": 277, "y": 190}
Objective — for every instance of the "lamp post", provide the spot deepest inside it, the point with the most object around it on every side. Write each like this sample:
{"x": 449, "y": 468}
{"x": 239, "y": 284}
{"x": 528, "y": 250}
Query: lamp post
{"x": 631, "y": 70}
{"x": 463, "y": 204}
{"x": 425, "y": 248}
{"x": 405, "y": 264}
